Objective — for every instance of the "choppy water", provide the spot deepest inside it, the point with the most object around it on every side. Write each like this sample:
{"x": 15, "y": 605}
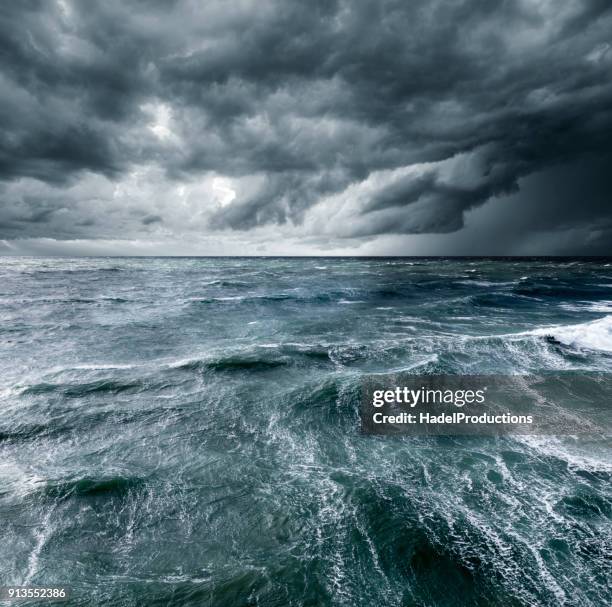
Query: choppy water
{"x": 185, "y": 432}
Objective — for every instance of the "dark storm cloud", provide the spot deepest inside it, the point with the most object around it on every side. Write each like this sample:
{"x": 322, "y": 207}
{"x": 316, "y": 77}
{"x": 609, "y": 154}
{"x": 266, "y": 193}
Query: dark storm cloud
{"x": 433, "y": 107}
{"x": 61, "y": 110}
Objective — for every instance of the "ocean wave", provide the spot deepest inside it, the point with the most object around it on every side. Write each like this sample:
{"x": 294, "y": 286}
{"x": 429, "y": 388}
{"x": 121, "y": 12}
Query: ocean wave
{"x": 593, "y": 335}
{"x": 500, "y": 300}
{"x": 603, "y": 307}
{"x": 585, "y": 505}
{"x": 25, "y": 432}
{"x": 92, "y": 487}
{"x": 544, "y": 288}
{"x": 375, "y": 355}
{"x": 264, "y": 357}
{"x": 233, "y": 363}
{"x": 78, "y": 390}
{"x": 226, "y": 283}
{"x": 72, "y": 271}
{"x": 242, "y": 299}
{"x": 60, "y": 300}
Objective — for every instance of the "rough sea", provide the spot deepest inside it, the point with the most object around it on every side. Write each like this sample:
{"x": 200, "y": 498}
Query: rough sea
{"x": 185, "y": 431}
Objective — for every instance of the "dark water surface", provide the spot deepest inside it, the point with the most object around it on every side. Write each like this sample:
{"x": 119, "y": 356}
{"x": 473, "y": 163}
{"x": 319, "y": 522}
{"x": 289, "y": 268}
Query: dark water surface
{"x": 186, "y": 432}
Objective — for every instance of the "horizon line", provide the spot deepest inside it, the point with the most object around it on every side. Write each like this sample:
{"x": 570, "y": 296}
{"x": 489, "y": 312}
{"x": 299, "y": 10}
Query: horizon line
{"x": 450, "y": 256}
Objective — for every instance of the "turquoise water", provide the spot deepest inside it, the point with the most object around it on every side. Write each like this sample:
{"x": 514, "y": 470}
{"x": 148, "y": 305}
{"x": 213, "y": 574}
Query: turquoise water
{"x": 186, "y": 432}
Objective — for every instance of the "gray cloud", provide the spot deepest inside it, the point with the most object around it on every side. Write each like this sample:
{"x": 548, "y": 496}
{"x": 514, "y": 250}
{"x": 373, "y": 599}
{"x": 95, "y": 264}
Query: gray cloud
{"x": 332, "y": 119}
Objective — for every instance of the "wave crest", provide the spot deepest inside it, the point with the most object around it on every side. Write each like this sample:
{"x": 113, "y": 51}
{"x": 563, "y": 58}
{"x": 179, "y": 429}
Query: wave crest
{"x": 594, "y": 335}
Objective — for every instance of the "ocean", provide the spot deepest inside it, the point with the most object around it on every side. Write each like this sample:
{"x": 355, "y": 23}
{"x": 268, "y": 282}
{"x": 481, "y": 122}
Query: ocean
{"x": 185, "y": 431}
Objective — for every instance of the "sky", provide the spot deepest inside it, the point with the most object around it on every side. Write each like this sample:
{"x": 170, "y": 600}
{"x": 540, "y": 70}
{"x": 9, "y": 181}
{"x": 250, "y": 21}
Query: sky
{"x": 278, "y": 127}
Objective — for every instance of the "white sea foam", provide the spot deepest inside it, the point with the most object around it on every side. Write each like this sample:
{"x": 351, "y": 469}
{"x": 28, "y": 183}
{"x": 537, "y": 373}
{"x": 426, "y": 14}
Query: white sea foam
{"x": 229, "y": 298}
{"x": 595, "y": 335}
{"x": 473, "y": 282}
{"x": 600, "y": 306}
{"x": 603, "y": 307}
{"x": 419, "y": 363}
{"x": 571, "y": 453}
{"x": 41, "y": 536}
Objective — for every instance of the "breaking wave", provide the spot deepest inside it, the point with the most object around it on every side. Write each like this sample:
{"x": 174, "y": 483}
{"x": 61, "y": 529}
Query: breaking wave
{"x": 594, "y": 335}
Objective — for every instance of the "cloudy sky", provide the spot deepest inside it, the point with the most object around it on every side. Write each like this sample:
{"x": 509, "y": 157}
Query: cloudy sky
{"x": 312, "y": 127}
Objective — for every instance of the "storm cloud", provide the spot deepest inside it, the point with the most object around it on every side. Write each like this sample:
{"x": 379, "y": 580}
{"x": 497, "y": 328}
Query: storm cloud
{"x": 318, "y": 122}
